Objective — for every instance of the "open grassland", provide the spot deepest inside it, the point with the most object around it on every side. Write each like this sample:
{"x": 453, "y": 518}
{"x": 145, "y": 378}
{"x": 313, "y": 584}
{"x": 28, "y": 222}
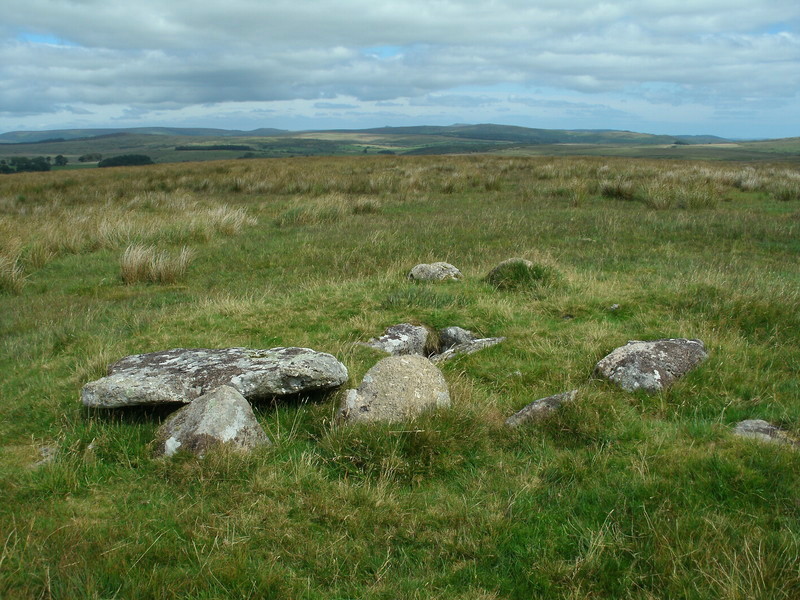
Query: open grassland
{"x": 617, "y": 496}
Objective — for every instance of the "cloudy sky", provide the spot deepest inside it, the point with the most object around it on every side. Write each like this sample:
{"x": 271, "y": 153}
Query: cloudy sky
{"x": 724, "y": 67}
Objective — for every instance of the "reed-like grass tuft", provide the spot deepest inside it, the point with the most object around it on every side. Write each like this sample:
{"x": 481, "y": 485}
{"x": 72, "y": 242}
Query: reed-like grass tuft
{"x": 145, "y": 264}
{"x": 12, "y": 275}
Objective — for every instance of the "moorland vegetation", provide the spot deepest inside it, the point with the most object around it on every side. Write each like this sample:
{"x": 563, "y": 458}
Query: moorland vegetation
{"x": 616, "y": 495}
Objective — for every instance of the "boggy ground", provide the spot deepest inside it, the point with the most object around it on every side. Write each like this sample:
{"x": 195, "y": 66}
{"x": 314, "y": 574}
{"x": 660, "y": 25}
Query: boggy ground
{"x": 616, "y": 496}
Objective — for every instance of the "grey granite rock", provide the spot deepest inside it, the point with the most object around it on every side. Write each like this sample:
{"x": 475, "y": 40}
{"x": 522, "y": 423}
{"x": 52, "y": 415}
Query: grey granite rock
{"x": 453, "y": 336}
{"x": 540, "y": 408}
{"x": 764, "y": 431}
{"x": 404, "y": 338}
{"x": 181, "y": 375}
{"x": 651, "y": 366}
{"x": 438, "y": 271}
{"x": 222, "y": 416}
{"x": 395, "y": 389}
{"x": 465, "y": 348}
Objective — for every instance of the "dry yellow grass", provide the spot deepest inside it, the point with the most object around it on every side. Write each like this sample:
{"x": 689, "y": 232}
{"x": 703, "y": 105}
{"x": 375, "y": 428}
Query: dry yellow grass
{"x": 145, "y": 264}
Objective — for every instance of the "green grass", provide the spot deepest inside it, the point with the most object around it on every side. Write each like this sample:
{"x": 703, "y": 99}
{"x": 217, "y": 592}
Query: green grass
{"x": 615, "y": 496}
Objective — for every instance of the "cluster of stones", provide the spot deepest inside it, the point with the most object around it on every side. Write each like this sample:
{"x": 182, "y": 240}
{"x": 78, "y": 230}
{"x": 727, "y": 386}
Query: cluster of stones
{"x": 442, "y": 271}
{"x": 217, "y": 385}
{"x": 405, "y": 338}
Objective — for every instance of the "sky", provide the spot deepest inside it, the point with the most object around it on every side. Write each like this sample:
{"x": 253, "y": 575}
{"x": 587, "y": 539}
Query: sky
{"x": 723, "y": 67}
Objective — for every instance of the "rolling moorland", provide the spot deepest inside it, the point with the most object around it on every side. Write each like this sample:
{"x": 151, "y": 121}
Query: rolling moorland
{"x": 182, "y": 145}
{"x": 617, "y": 495}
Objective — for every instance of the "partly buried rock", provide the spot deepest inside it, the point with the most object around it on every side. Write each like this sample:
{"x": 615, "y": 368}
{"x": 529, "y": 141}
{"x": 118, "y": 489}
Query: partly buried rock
{"x": 540, "y": 408}
{"x": 438, "y": 271}
{"x": 764, "y": 431}
{"x": 404, "y": 338}
{"x": 465, "y": 348}
{"x": 222, "y": 416}
{"x": 181, "y": 375}
{"x": 395, "y": 389}
{"x": 452, "y": 336}
{"x": 520, "y": 273}
{"x": 651, "y": 366}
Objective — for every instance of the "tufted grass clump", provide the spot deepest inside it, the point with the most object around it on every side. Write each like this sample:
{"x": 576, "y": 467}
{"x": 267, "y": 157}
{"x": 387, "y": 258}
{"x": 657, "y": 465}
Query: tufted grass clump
{"x": 12, "y": 275}
{"x": 145, "y": 264}
{"x": 786, "y": 191}
{"x": 328, "y": 208}
{"x": 517, "y": 273}
{"x": 430, "y": 446}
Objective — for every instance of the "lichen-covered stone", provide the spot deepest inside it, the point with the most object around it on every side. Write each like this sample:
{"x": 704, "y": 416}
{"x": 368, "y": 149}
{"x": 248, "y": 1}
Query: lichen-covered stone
{"x": 220, "y": 417}
{"x": 438, "y": 271}
{"x": 181, "y": 375}
{"x": 465, "y": 348}
{"x": 404, "y": 338}
{"x": 651, "y": 366}
{"x": 540, "y": 408}
{"x": 453, "y": 336}
{"x": 765, "y": 432}
{"x": 395, "y": 389}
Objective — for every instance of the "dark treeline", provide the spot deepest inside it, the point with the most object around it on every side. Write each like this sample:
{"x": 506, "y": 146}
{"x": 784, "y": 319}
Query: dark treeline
{"x": 23, "y": 164}
{"x": 216, "y": 147}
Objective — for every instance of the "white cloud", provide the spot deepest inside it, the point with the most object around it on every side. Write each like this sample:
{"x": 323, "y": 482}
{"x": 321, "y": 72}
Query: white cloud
{"x": 441, "y": 54}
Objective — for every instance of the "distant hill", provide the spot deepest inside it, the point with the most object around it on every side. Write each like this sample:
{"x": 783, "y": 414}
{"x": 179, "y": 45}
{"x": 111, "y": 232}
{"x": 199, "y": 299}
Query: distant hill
{"x": 57, "y": 135}
{"x": 180, "y": 144}
{"x": 526, "y": 135}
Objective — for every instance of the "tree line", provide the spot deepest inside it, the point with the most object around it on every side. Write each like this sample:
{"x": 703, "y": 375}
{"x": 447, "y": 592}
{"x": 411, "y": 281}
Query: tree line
{"x": 23, "y": 164}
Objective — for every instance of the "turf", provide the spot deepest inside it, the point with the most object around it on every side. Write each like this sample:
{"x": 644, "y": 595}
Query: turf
{"x": 616, "y": 496}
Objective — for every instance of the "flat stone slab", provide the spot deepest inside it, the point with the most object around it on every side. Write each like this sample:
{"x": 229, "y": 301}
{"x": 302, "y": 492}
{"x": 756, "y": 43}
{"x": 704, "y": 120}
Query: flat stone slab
{"x": 438, "y": 271}
{"x": 540, "y": 408}
{"x": 764, "y": 431}
{"x": 395, "y": 389}
{"x": 651, "y": 366}
{"x": 465, "y": 348}
{"x": 180, "y": 375}
{"x": 220, "y": 417}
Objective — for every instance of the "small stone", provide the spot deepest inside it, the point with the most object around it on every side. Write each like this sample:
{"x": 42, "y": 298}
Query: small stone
{"x": 404, "y": 338}
{"x": 48, "y": 454}
{"x": 453, "y": 336}
{"x": 222, "y": 416}
{"x": 538, "y": 409}
{"x": 613, "y": 307}
{"x": 764, "y": 431}
{"x": 465, "y": 348}
{"x": 438, "y": 271}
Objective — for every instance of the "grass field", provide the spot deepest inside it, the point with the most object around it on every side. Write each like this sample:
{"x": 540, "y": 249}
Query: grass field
{"x": 619, "y": 495}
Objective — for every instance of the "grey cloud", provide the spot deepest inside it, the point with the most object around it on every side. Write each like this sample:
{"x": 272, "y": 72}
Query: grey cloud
{"x": 335, "y": 105}
{"x": 573, "y": 108}
{"x": 453, "y": 100}
{"x": 152, "y": 53}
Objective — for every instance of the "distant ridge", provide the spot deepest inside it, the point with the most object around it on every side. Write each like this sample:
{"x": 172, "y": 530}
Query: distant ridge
{"x": 526, "y": 135}
{"x": 484, "y": 132}
{"x": 69, "y": 135}
{"x": 182, "y": 144}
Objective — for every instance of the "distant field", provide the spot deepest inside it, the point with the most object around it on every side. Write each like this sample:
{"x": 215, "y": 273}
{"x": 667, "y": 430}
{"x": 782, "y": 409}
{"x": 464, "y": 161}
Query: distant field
{"x": 620, "y": 495}
{"x": 168, "y": 146}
